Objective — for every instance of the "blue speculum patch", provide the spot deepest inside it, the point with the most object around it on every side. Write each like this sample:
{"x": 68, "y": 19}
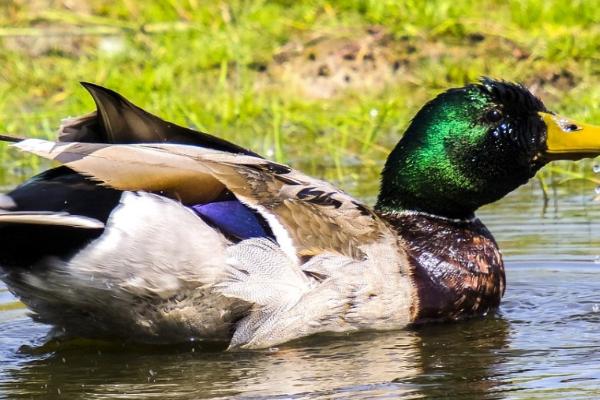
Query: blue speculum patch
{"x": 232, "y": 218}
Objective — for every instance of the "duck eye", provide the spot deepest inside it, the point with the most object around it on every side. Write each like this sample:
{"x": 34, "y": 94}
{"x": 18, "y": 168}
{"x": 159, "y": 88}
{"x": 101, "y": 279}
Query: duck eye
{"x": 493, "y": 115}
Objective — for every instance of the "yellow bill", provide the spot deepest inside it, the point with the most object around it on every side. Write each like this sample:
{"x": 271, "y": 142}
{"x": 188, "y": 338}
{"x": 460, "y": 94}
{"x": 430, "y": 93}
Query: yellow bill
{"x": 568, "y": 139}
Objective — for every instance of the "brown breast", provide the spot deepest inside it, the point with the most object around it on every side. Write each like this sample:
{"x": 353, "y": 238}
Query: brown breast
{"x": 457, "y": 267}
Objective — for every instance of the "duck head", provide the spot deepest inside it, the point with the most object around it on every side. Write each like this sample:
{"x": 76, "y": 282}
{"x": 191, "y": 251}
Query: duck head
{"x": 471, "y": 146}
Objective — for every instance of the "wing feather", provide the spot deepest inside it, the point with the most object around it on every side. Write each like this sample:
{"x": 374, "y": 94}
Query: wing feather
{"x": 50, "y": 218}
{"x": 133, "y": 167}
{"x": 317, "y": 216}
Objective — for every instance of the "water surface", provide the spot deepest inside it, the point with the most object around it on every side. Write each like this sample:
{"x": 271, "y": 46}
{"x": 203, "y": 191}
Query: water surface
{"x": 543, "y": 343}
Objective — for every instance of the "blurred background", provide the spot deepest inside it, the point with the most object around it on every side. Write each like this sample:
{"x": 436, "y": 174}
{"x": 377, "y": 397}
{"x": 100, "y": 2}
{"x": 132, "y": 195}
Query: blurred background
{"x": 328, "y": 86}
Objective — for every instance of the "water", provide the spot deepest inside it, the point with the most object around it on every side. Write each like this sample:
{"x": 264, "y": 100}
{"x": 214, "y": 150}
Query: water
{"x": 543, "y": 343}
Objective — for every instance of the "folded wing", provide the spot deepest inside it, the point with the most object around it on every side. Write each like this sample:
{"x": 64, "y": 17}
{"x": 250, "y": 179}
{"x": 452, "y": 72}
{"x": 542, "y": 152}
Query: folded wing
{"x": 307, "y": 216}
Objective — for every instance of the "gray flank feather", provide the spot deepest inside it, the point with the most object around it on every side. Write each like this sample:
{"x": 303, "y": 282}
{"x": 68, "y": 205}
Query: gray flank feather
{"x": 260, "y": 273}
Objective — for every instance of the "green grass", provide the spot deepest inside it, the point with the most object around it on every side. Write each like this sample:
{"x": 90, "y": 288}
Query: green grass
{"x": 217, "y": 66}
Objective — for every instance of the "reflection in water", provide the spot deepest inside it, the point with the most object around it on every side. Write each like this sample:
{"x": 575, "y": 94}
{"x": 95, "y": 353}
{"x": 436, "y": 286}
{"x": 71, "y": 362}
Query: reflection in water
{"x": 443, "y": 360}
{"x": 318, "y": 366}
{"x": 460, "y": 360}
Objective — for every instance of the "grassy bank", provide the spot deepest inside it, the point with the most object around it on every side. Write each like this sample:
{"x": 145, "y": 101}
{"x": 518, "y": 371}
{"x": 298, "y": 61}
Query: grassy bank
{"x": 326, "y": 85}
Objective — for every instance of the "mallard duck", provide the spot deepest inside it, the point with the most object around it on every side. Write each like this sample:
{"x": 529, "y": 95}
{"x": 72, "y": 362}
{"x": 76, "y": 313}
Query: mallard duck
{"x": 153, "y": 232}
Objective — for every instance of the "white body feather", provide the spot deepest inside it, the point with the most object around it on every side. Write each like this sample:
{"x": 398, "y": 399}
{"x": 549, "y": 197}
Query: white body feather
{"x": 127, "y": 286}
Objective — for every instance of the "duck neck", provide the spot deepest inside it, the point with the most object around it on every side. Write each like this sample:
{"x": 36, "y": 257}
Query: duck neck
{"x": 411, "y": 181}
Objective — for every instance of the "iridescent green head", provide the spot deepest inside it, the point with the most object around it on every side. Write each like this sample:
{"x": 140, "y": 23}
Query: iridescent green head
{"x": 471, "y": 146}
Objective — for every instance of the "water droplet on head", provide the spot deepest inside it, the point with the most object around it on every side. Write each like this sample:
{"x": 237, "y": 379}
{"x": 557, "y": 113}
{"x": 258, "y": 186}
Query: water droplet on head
{"x": 596, "y": 168}
{"x": 597, "y": 260}
{"x": 374, "y": 112}
{"x": 597, "y": 190}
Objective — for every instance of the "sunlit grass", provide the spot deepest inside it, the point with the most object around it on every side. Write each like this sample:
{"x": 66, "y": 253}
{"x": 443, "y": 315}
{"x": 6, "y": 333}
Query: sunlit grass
{"x": 212, "y": 66}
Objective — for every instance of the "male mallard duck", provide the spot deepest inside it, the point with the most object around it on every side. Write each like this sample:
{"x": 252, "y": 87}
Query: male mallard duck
{"x": 157, "y": 233}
